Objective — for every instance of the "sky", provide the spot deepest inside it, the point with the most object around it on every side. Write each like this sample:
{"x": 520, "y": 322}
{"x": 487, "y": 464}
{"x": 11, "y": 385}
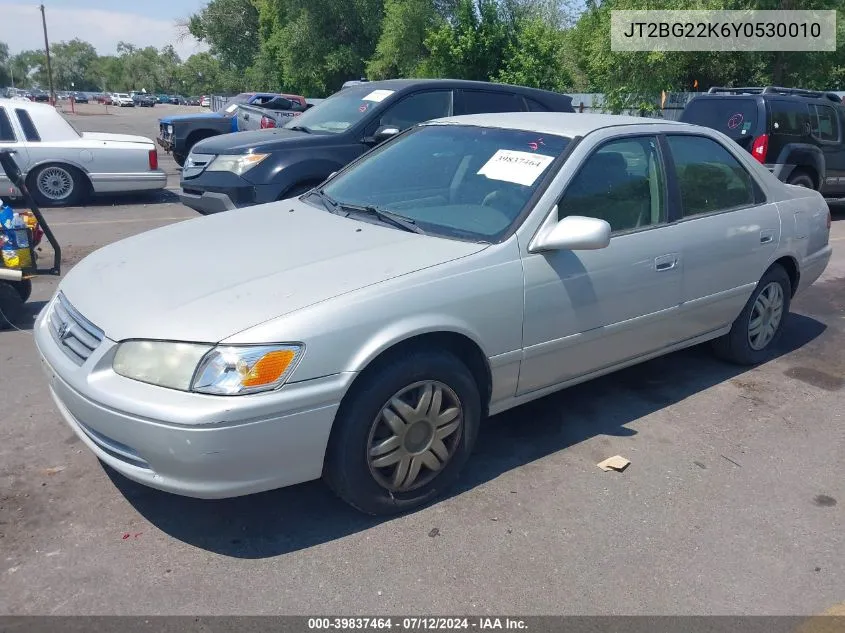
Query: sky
{"x": 103, "y": 23}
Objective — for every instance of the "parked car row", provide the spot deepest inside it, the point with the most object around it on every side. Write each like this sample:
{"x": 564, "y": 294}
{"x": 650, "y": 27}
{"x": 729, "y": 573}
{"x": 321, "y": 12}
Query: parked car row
{"x": 177, "y": 134}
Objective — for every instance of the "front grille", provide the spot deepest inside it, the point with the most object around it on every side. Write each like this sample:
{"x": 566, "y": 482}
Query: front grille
{"x": 75, "y": 335}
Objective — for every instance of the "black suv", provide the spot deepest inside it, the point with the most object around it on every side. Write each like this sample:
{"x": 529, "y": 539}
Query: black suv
{"x": 797, "y": 134}
{"x": 246, "y": 168}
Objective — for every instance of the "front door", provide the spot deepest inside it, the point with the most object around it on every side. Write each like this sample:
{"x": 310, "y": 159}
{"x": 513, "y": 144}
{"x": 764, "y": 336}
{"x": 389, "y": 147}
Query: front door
{"x": 589, "y": 310}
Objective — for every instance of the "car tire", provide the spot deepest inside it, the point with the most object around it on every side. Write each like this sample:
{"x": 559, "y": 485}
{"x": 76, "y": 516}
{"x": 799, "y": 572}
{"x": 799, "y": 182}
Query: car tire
{"x": 376, "y": 441}
{"x": 802, "y": 179}
{"x": 751, "y": 340}
{"x": 11, "y": 306}
{"x": 57, "y": 185}
{"x": 24, "y": 288}
{"x": 179, "y": 158}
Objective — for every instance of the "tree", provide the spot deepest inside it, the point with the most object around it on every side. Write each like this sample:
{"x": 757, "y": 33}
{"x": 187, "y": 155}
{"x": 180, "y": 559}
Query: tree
{"x": 470, "y": 46}
{"x": 535, "y": 57}
{"x": 73, "y": 63}
{"x": 230, "y": 28}
{"x": 200, "y": 74}
{"x": 401, "y": 47}
{"x": 5, "y": 75}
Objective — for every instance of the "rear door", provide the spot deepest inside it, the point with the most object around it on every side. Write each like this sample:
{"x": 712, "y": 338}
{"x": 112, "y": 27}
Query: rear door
{"x": 728, "y": 231}
{"x": 826, "y": 122}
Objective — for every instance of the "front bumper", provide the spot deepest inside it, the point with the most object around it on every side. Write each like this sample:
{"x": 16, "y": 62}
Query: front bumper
{"x": 192, "y": 444}
{"x": 165, "y": 143}
{"x": 213, "y": 192}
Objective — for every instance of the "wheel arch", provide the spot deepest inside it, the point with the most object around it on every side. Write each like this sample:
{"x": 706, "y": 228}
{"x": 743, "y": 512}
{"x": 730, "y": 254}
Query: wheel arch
{"x": 790, "y": 265}
{"x": 455, "y": 341}
{"x": 30, "y": 172}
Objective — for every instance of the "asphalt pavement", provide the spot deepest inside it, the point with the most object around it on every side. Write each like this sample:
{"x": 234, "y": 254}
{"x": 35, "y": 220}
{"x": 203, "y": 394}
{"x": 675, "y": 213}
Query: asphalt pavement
{"x": 734, "y": 502}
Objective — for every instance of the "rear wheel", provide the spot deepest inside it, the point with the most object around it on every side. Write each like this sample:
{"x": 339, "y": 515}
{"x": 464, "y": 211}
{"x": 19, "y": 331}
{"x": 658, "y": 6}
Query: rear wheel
{"x": 57, "y": 185}
{"x": 11, "y": 305}
{"x": 802, "y": 179}
{"x": 24, "y": 288}
{"x": 403, "y": 433}
{"x": 758, "y": 328}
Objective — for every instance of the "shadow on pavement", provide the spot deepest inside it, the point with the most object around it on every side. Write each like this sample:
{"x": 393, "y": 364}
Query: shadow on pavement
{"x": 290, "y": 519}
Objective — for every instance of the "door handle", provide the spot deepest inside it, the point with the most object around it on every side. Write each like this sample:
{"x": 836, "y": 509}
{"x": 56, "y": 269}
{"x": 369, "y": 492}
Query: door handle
{"x": 665, "y": 262}
{"x": 767, "y": 237}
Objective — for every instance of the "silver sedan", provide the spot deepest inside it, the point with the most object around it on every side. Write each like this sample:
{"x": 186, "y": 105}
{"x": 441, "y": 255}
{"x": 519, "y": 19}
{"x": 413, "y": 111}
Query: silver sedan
{"x": 362, "y": 331}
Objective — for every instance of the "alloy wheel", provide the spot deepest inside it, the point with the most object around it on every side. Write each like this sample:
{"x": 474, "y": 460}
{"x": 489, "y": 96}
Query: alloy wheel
{"x": 55, "y": 183}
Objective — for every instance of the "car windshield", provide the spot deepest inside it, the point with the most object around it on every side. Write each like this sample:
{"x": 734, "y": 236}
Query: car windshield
{"x": 340, "y": 111}
{"x": 464, "y": 182}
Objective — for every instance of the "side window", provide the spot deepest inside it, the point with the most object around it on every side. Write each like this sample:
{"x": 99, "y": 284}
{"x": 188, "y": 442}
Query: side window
{"x": 7, "y": 133}
{"x": 535, "y": 106}
{"x": 825, "y": 125}
{"x": 479, "y": 102}
{"x": 28, "y": 126}
{"x": 417, "y": 108}
{"x": 622, "y": 182}
{"x": 710, "y": 179}
{"x": 790, "y": 118}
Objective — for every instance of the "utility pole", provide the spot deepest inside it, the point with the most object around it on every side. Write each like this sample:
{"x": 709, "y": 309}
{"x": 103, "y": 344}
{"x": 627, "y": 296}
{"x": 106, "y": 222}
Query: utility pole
{"x": 47, "y": 50}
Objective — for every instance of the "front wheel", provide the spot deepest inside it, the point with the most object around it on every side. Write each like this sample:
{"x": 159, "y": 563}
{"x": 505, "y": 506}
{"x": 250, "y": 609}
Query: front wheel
{"x": 179, "y": 158}
{"x": 403, "y": 433}
{"x": 758, "y": 328}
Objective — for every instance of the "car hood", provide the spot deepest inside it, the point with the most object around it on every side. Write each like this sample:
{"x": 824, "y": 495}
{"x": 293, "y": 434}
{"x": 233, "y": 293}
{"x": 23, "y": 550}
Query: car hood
{"x": 207, "y": 279}
{"x": 261, "y": 141}
{"x": 185, "y": 117}
{"x": 117, "y": 138}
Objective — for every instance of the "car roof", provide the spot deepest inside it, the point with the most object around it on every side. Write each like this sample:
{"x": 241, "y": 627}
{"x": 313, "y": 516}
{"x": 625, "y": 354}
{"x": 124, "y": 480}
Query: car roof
{"x": 561, "y": 123}
{"x": 404, "y": 84}
{"x": 26, "y": 105}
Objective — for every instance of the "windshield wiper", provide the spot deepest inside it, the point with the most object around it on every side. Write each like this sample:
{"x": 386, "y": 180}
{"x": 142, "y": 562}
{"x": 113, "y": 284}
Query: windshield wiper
{"x": 331, "y": 205}
{"x": 300, "y": 128}
{"x": 388, "y": 217}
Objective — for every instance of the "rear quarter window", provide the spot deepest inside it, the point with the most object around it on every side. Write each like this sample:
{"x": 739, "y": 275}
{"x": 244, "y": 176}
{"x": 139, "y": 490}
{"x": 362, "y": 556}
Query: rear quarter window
{"x": 733, "y": 116}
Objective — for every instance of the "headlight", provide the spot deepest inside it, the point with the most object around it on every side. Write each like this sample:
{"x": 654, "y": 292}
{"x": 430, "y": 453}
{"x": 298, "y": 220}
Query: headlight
{"x": 237, "y": 164}
{"x": 159, "y": 363}
{"x": 225, "y": 370}
{"x": 170, "y": 129}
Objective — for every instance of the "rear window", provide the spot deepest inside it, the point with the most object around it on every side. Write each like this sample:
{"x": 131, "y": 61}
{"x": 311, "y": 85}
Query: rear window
{"x": 735, "y": 117}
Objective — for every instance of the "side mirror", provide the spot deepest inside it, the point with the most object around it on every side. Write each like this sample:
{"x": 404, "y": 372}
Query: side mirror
{"x": 383, "y": 133}
{"x": 574, "y": 233}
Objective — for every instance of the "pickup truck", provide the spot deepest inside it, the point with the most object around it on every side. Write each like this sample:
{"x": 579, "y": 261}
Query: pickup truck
{"x": 274, "y": 113}
{"x": 179, "y": 133}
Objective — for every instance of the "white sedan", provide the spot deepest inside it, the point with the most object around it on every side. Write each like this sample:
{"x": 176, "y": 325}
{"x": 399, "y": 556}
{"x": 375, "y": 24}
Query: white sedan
{"x": 62, "y": 165}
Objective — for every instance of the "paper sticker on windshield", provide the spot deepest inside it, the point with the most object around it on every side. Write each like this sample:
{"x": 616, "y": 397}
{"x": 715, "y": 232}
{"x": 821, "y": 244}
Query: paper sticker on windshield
{"x": 378, "y": 95}
{"x": 522, "y": 168}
